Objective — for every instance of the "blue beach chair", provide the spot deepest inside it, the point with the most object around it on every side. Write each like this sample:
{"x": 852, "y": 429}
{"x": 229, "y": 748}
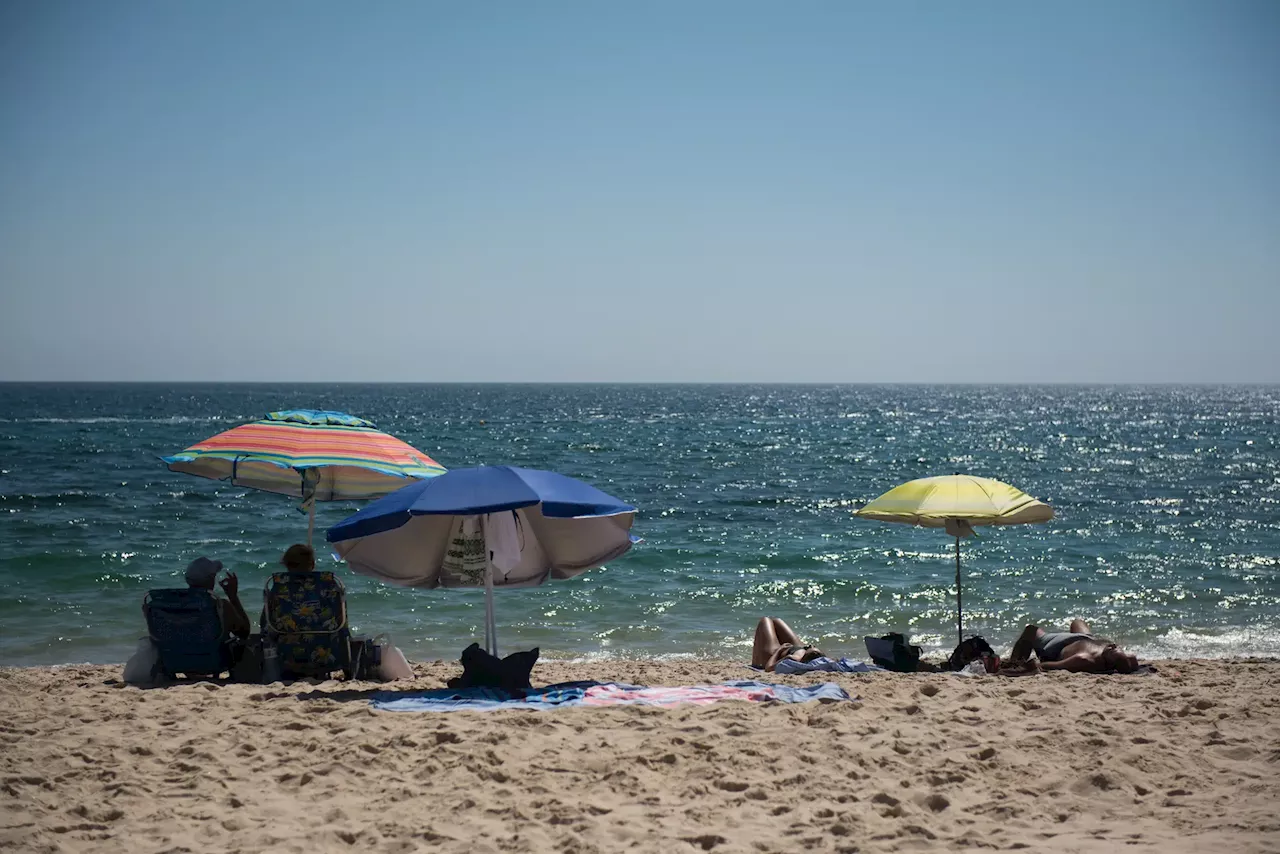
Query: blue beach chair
{"x": 305, "y": 616}
{"x": 185, "y": 628}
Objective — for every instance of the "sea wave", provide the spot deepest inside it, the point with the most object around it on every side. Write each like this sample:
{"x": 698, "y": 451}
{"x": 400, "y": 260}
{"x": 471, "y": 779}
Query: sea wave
{"x": 744, "y": 497}
{"x": 113, "y": 419}
{"x": 1258, "y": 640}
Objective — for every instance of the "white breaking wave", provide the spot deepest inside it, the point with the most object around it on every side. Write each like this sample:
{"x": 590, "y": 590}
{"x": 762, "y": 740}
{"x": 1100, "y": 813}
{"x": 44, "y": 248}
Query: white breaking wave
{"x": 1243, "y": 642}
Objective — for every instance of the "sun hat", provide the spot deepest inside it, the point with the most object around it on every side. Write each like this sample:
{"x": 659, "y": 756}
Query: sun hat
{"x": 202, "y": 571}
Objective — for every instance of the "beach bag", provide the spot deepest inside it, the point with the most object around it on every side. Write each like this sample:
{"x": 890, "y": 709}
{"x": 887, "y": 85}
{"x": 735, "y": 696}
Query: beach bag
{"x": 366, "y": 656}
{"x": 393, "y": 665}
{"x": 247, "y": 661}
{"x": 481, "y": 669}
{"x": 143, "y": 667}
{"x": 892, "y": 652}
{"x": 973, "y": 649}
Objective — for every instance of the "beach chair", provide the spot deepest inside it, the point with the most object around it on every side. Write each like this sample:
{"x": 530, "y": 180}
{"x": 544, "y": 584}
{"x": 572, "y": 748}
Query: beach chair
{"x": 305, "y": 617}
{"x": 187, "y": 633}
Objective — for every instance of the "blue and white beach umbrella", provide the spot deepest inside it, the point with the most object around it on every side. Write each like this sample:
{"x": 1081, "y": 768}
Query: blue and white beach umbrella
{"x": 490, "y": 527}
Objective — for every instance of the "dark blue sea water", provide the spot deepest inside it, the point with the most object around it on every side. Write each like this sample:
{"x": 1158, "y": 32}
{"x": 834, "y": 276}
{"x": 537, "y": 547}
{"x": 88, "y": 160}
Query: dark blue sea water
{"x": 1167, "y": 535}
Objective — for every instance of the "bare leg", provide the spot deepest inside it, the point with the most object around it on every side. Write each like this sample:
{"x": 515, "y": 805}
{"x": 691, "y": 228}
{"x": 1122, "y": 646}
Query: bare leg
{"x": 766, "y": 644}
{"x": 1080, "y": 627}
{"x": 784, "y": 633}
{"x": 1025, "y": 643}
{"x": 774, "y": 640}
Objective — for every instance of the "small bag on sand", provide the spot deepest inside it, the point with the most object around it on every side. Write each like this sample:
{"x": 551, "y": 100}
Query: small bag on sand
{"x": 893, "y": 652}
{"x": 973, "y": 649}
{"x": 394, "y": 665}
{"x": 143, "y": 667}
{"x": 246, "y": 660}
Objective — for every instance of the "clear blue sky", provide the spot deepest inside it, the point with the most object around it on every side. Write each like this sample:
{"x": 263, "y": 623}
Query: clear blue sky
{"x": 706, "y": 191}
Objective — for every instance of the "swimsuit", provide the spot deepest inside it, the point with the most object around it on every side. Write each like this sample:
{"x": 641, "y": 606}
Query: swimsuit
{"x": 789, "y": 649}
{"x": 1049, "y": 646}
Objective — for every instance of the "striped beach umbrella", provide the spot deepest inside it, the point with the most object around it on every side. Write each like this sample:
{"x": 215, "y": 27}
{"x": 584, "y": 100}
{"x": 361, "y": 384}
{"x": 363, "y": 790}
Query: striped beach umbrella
{"x": 308, "y": 454}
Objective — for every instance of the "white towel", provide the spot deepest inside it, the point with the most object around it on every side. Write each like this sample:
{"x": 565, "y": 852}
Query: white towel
{"x": 503, "y": 541}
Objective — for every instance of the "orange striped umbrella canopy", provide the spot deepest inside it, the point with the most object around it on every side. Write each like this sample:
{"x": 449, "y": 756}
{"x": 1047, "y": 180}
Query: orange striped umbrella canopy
{"x": 331, "y": 456}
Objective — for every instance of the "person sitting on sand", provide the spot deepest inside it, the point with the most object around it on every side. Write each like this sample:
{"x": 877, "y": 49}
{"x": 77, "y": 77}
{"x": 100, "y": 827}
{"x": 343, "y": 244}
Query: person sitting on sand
{"x": 201, "y": 574}
{"x": 299, "y": 558}
{"x": 775, "y": 641}
{"x": 1075, "y": 650}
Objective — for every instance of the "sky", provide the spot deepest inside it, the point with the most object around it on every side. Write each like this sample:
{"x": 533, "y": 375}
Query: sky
{"x": 714, "y": 191}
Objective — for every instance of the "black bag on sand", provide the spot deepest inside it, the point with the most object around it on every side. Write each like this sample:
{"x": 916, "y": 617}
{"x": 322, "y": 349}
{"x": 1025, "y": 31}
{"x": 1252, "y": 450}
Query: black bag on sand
{"x": 968, "y": 650}
{"x": 247, "y": 661}
{"x": 480, "y": 669}
{"x": 892, "y": 652}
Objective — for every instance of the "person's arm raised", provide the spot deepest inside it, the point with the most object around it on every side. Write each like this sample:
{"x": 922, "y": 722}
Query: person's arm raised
{"x": 239, "y": 626}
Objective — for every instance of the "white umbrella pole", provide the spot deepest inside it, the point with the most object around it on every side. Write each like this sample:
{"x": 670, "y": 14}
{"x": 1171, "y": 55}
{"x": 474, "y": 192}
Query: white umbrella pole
{"x": 490, "y": 624}
{"x": 959, "y": 611}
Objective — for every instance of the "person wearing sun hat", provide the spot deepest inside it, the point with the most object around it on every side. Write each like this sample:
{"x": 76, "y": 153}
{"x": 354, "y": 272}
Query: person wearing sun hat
{"x": 201, "y": 574}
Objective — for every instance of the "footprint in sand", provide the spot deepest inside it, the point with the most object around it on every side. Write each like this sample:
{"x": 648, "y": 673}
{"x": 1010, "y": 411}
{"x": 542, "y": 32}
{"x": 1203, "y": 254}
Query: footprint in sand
{"x": 706, "y": 841}
{"x": 935, "y": 802}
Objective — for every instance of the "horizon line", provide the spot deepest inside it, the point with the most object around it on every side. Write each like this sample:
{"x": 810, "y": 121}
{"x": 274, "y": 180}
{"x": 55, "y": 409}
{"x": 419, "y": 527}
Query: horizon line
{"x": 1062, "y": 383}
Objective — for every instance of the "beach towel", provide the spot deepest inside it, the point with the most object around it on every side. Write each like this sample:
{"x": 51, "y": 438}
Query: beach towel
{"x": 597, "y": 694}
{"x": 480, "y": 699}
{"x": 617, "y": 694}
{"x": 789, "y": 666}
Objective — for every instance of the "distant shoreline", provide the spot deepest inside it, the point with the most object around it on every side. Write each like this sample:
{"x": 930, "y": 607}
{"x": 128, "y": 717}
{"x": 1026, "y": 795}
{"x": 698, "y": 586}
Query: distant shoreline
{"x": 1102, "y": 384}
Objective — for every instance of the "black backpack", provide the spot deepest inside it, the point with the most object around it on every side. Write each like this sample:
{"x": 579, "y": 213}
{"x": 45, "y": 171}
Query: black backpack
{"x": 968, "y": 650}
{"x": 482, "y": 670}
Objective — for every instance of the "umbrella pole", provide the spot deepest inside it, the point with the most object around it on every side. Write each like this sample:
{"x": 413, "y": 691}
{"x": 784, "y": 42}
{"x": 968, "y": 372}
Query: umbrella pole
{"x": 490, "y": 624}
{"x": 959, "y": 610}
{"x": 311, "y": 522}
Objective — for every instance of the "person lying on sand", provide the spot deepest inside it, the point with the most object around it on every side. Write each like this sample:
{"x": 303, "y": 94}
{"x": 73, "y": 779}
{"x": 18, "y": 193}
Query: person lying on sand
{"x": 1075, "y": 650}
{"x": 775, "y": 641}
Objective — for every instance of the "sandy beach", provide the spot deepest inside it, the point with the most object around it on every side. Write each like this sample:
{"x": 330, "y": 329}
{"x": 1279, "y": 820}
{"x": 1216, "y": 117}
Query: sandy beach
{"x": 1185, "y": 760}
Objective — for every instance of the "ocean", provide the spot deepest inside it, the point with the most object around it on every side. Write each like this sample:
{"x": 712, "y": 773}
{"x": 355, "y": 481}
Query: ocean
{"x": 1166, "y": 538}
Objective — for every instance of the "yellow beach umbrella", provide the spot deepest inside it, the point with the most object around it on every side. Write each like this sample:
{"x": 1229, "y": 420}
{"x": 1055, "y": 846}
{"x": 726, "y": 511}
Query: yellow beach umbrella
{"x": 957, "y": 503}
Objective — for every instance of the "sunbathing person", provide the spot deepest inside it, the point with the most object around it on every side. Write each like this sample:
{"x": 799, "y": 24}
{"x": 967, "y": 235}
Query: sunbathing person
{"x": 775, "y": 641}
{"x": 1075, "y": 650}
